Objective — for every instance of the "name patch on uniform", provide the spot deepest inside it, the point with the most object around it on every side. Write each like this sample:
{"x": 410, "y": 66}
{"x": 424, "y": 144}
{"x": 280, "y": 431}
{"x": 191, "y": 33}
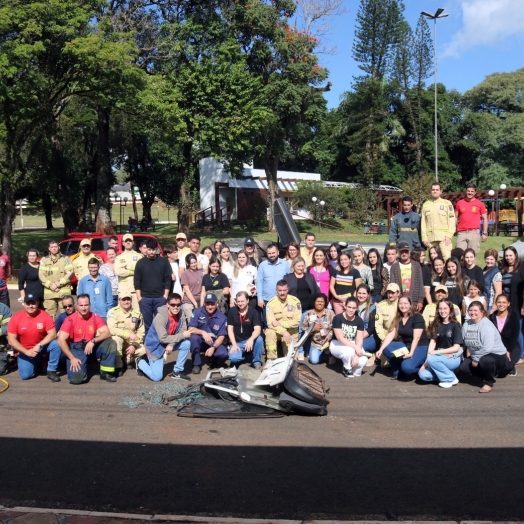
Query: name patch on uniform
{"x": 40, "y": 326}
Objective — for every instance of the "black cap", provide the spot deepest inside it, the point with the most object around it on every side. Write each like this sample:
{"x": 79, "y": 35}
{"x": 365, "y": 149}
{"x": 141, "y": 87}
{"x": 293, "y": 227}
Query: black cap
{"x": 30, "y": 298}
{"x": 249, "y": 241}
{"x": 403, "y": 246}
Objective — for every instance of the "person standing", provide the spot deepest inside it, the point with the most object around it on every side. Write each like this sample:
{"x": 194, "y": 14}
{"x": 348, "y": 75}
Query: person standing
{"x": 98, "y": 287}
{"x": 84, "y": 335}
{"x": 125, "y": 264}
{"x": 113, "y": 243}
{"x": 30, "y": 332}
{"x": 81, "y": 262}
{"x": 269, "y": 273}
{"x": 5, "y": 273}
{"x": 306, "y": 251}
{"x": 194, "y": 246}
{"x": 244, "y": 331}
{"x": 390, "y": 255}
{"x": 471, "y": 213}
{"x": 28, "y": 280}
{"x": 405, "y": 226}
{"x": 126, "y": 326}
{"x": 407, "y": 274}
{"x": 182, "y": 247}
{"x": 108, "y": 270}
{"x": 152, "y": 282}
{"x": 55, "y": 273}
{"x": 171, "y": 252}
{"x": 343, "y": 283}
{"x": 250, "y": 248}
{"x": 438, "y": 221}
{"x": 169, "y": 332}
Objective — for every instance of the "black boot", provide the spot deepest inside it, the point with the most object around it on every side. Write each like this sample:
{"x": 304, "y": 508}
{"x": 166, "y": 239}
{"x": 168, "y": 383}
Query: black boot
{"x": 107, "y": 377}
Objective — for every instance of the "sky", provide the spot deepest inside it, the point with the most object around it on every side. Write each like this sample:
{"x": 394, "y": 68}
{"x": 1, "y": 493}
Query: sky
{"x": 478, "y": 38}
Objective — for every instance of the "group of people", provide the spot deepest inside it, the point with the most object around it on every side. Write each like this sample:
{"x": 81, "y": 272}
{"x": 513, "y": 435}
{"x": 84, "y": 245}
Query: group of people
{"x": 363, "y": 308}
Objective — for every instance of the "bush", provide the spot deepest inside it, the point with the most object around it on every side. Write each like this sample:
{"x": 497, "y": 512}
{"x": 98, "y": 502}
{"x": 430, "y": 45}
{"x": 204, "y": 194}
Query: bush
{"x": 335, "y": 200}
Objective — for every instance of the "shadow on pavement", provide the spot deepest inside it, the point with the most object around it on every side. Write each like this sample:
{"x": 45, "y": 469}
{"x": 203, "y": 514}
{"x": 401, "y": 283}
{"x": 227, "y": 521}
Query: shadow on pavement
{"x": 278, "y": 482}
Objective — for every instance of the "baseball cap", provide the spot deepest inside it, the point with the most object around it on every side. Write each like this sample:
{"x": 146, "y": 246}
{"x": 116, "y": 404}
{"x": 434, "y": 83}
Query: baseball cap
{"x": 210, "y": 297}
{"x": 30, "y": 298}
{"x": 85, "y": 242}
{"x": 441, "y": 287}
{"x": 124, "y": 294}
{"x": 127, "y": 236}
{"x": 181, "y": 235}
{"x": 393, "y": 287}
{"x": 249, "y": 241}
{"x": 403, "y": 246}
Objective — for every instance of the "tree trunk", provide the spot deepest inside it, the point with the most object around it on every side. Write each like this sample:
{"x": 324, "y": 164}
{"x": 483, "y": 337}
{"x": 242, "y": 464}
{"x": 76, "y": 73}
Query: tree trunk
{"x": 7, "y": 215}
{"x": 48, "y": 211}
{"x": 104, "y": 175}
{"x": 184, "y": 210}
{"x": 133, "y": 199}
{"x": 271, "y": 169}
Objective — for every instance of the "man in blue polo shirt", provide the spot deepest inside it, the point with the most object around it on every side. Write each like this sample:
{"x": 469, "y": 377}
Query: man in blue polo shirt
{"x": 208, "y": 328}
{"x": 98, "y": 287}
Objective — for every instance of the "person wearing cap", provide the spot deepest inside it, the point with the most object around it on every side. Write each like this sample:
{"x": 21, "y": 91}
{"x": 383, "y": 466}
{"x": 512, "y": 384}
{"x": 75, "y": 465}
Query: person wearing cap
{"x": 407, "y": 274}
{"x": 152, "y": 282}
{"x": 208, "y": 327}
{"x": 55, "y": 273}
{"x": 386, "y": 311}
{"x": 251, "y": 252}
{"x": 244, "y": 330}
{"x": 441, "y": 293}
{"x": 98, "y": 287}
{"x": 125, "y": 264}
{"x": 437, "y": 224}
{"x": 169, "y": 332}
{"x": 307, "y": 250}
{"x": 283, "y": 315}
{"x": 30, "y": 333}
{"x": 182, "y": 247}
{"x": 81, "y": 262}
{"x": 84, "y": 336}
{"x": 405, "y": 226}
{"x": 126, "y": 326}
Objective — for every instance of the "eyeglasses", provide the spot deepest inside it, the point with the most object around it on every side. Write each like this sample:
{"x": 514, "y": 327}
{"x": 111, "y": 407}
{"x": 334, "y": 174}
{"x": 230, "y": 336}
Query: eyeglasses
{"x": 67, "y": 306}
{"x": 178, "y": 304}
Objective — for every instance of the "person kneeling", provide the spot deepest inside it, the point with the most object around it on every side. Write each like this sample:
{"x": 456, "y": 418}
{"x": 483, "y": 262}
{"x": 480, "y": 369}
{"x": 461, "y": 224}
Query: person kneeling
{"x": 244, "y": 328}
{"x": 30, "y": 332}
{"x": 208, "y": 328}
{"x": 168, "y": 333}
{"x": 84, "y": 335}
{"x": 348, "y": 328}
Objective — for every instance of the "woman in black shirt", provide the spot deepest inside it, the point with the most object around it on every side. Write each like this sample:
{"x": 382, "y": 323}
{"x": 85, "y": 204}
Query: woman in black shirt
{"x": 410, "y": 353}
{"x": 455, "y": 281}
{"x": 215, "y": 282}
{"x": 445, "y": 347}
{"x": 380, "y": 275}
{"x": 28, "y": 281}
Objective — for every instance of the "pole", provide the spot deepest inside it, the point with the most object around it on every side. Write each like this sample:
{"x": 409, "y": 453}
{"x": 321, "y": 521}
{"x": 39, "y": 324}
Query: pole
{"x": 436, "y": 117}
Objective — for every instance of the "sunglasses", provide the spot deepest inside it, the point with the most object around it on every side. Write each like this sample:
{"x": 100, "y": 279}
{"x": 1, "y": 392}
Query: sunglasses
{"x": 175, "y": 305}
{"x": 126, "y": 299}
{"x": 128, "y": 240}
{"x": 67, "y": 306}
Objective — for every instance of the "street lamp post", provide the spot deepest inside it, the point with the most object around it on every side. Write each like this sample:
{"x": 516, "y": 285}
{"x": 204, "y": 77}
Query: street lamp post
{"x": 438, "y": 14}
{"x": 125, "y": 199}
{"x": 318, "y": 207}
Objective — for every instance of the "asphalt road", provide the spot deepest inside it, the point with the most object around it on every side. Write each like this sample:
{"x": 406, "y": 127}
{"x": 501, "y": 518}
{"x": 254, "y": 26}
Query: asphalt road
{"x": 386, "y": 451}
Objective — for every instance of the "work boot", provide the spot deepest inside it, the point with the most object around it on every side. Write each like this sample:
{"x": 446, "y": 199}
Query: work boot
{"x": 120, "y": 372}
{"x": 197, "y": 370}
{"x": 52, "y": 376}
{"x": 107, "y": 377}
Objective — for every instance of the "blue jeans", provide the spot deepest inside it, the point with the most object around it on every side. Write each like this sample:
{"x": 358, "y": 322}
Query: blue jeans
{"x": 521, "y": 339}
{"x": 115, "y": 301}
{"x": 154, "y": 369}
{"x": 314, "y": 353}
{"x": 239, "y": 356}
{"x": 149, "y": 307}
{"x": 370, "y": 344}
{"x": 441, "y": 368}
{"x": 408, "y": 366}
{"x": 28, "y": 366}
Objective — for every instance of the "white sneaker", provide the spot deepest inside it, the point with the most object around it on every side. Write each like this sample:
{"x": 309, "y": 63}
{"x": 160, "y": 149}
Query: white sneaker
{"x": 448, "y": 384}
{"x": 300, "y": 357}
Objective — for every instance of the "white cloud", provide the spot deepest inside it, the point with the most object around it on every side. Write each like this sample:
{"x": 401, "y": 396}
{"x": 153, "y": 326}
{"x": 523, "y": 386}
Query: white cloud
{"x": 486, "y": 23}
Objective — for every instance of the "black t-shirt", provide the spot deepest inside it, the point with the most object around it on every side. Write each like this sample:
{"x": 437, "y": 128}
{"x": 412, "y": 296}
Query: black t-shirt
{"x": 426, "y": 275}
{"x": 218, "y": 282}
{"x": 349, "y": 327}
{"x": 345, "y": 282}
{"x": 377, "y": 281}
{"x": 243, "y": 327}
{"x": 303, "y": 293}
{"x": 448, "y": 335}
{"x": 475, "y": 273}
{"x": 405, "y": 331}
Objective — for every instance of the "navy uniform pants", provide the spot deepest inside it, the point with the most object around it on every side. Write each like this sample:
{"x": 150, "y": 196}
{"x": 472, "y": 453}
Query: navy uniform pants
{"x": 198, "y": 344}
{"x": 105, "y": 353}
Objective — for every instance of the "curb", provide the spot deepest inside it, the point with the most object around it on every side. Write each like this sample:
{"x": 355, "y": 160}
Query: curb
{"x": 226, "y": 520}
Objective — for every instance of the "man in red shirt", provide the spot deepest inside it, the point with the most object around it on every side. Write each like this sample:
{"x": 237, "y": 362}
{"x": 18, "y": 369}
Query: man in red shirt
{"x": 84, "y": 334}
{"x": 5, "y": 273}
{"x": 29, "y": 332}
{"x": 470, "y": 211}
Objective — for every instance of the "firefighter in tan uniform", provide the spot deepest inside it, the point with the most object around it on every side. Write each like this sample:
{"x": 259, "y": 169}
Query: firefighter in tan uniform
{"x": 127, "y": 329}
{"x": 55, "y": 273}
{"x": 81, "y": 261}
{"x": 125, "y": 268}
{"x": 384, "y": 314}
{"x": 283, "y": 314}
{"x": 441, "y": 293}
{"x": 438, "y": 222}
